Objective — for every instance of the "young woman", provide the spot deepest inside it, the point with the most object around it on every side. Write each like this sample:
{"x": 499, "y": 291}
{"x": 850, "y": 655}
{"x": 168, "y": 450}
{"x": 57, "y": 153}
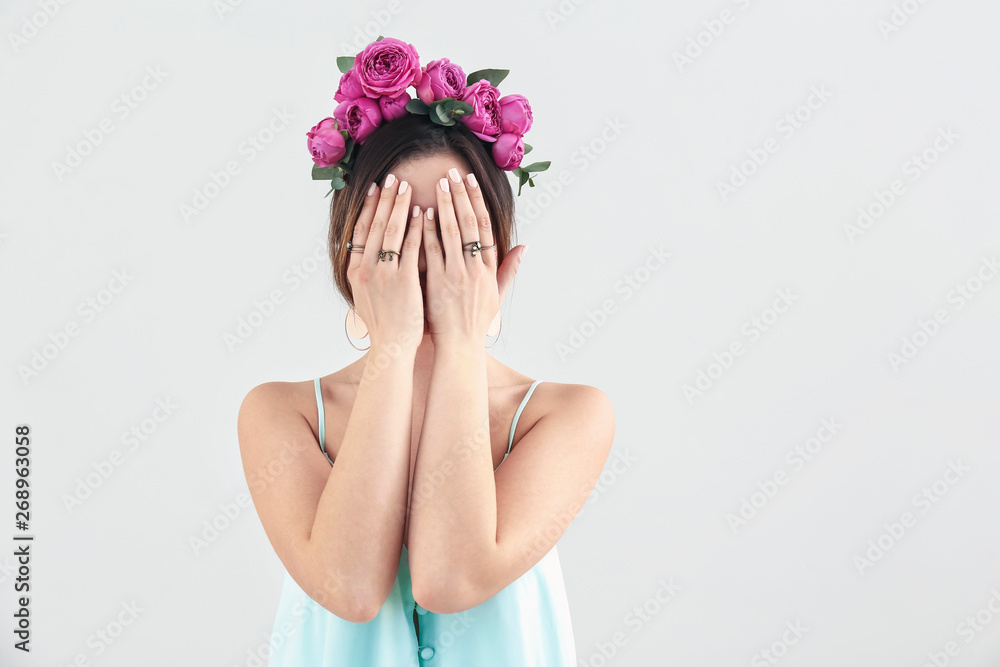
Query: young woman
{"x": 415, "y": 497}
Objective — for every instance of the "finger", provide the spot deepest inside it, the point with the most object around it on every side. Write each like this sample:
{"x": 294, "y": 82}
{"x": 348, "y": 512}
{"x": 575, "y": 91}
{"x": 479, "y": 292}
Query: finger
{"x": 376, "y": 236}
{"x": 360, "y": 232}
{"x": 396, "y": 225}
{"x": 464, "y": 213}
{"x": 483, "y": 222}
{"x": 451, "y": 235}
{"x": 409, "y": 260}
{"x": 433, "y": 251}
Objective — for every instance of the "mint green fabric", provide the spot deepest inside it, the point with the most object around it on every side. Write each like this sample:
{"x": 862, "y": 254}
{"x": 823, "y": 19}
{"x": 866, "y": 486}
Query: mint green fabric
{"x": 527, "y": 624}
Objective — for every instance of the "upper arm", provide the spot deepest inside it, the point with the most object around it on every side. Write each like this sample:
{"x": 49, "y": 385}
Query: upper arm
{"x": 286, "y": 473}
{"x": 544, "y": 482}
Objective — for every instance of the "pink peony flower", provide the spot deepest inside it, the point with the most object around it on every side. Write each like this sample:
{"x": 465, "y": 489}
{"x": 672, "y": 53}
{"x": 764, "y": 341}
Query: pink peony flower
{"x": 387, "y": 67}
{"x": 326, "y": 143}
{"x": 484, "y": 121}
{"x": 508, "y": 150}
{"x": 359, "y": 117}
{"x": 349, "y": 88}
{"x": 393, "y": 107}
{"x": 515, "y": 114}
{"x": 441, "y": 78}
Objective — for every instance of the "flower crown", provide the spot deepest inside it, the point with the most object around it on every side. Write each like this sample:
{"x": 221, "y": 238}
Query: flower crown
{"x": 372, "y": 91}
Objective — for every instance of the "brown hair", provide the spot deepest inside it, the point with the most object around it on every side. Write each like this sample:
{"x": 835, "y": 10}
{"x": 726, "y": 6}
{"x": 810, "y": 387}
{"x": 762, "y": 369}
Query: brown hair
{"x": 395, "y": 142}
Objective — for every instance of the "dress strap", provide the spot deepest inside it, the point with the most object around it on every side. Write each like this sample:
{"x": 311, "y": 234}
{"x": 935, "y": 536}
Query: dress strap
{"x": 322, "y": 420}
{"x": 513, "y": 426}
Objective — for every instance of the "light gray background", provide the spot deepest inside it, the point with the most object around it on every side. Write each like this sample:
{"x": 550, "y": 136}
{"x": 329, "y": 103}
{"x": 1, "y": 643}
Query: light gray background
{"x": 662, "y": 137}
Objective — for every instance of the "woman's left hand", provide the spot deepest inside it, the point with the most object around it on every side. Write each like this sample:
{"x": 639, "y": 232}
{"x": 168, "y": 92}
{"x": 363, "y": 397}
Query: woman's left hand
{"x": 464, "y": 291}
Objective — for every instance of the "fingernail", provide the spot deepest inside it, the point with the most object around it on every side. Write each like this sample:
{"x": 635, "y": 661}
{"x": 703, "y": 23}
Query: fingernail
{"x": 371, "y": 189}
{"x": 524, "y": 252}
{"x": 430, "y": 213}
{"x": 416, "y": 210}
{"x": 453, "y": 173}
{"x": 472, "y": 180}
{"x": 444, "y": 184}
{"x": 389, "y": 180}
{"x": 402, "y": 187}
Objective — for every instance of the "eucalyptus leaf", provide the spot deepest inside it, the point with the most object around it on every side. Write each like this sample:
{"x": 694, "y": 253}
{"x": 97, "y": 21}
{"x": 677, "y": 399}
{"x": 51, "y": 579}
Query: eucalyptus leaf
{"x": 416, "y": 105}
{"x": 323, "y": 173}
{"x": 345, "y": 63}
{"x": 337, "y": 183}
{"x": 527, "y": 148}
{"x": 442, "y": 116}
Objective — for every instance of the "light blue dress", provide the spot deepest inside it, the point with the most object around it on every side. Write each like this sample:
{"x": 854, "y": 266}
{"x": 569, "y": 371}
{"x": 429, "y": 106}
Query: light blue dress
{"x": 527, "y": 624}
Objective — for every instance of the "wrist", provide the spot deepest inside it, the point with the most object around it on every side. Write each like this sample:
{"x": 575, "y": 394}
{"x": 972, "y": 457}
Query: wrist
{"x": 382, "y": 351}
{"x": 453, "y": 345}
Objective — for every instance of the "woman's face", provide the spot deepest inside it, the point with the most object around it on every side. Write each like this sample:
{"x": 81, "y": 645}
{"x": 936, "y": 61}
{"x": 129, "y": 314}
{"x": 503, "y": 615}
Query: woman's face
{"x": 422, "y": 175}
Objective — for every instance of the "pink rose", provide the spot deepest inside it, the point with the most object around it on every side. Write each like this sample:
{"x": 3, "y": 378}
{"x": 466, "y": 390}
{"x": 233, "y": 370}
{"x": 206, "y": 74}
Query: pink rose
{"x": 441, "y": 78}
{"x": 508, "y": 150}
{"x": 349, "y": 88}
{"x": 484, "y": 121}
{"x": 515, "y": 114}
{"x": 393, "y": 107}
{"x": 387, "y": 67}
{"x": 326, "y": 143}
{"x": 359, "y": 117}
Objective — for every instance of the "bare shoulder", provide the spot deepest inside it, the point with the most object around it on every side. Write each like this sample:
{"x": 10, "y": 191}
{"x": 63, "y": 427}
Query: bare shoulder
{"x": 580, "y": 409}
{"x": 579, "y": 402}
{"x": 271, "y": 406}
{"x": 268, "y": 398}
{"x": 273, "y": 403}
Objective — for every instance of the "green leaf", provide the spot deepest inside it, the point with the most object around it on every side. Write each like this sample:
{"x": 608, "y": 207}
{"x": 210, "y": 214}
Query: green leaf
{"x": 440, "y": 116}
{"x": 337, "y": 182}
{"x": 461, "y": 108}
{"x": 324, "y": 173}
{"x": 494, "y": 76}
{"x": 380, "y": 38}
{"x": 522, "y": 178}
{"x": 417, "y": 106}
{"x": 527, "y": 148}
{"x": 345, "y": 63}
{"x": 349, "y": 146}
{"x": 328, "y": 193}
{"x": 538, "y": 166}
{"x": 452, "y": 107}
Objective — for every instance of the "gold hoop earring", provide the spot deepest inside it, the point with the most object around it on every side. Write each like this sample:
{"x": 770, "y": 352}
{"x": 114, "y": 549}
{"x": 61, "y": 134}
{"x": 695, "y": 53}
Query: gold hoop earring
{"x": 359, "y": 327}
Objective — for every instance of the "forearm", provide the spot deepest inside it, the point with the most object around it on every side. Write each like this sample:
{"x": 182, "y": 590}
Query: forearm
{"x": 362, "y": 511}
{"x": 453, "y": 512}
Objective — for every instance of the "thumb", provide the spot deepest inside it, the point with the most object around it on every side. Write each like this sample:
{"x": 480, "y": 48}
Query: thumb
{"x": 508, "y": 269}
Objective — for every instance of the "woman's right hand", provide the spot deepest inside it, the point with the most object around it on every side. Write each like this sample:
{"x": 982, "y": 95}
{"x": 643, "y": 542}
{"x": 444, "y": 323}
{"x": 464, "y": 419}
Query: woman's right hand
{"x": 387, "y": 293}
